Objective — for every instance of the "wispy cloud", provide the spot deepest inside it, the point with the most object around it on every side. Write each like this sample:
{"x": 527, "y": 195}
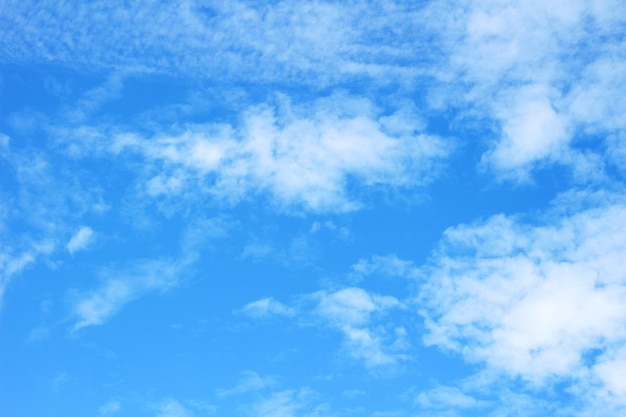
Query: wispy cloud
{"x": 267, "y": 307}
{"x": 42, "y": 210}
{"x": 319, "y": 43}
{"x": 446, "y": 398}
{"x": 81, "y": 239}
{"x": 288, "y": 403}
{"x": 110, "y": 408}
{"x": 250, "y": 382}
{"x": 169, "y": 407}
{"x": 120, "y": 287}
{"x": 389, "y": 265}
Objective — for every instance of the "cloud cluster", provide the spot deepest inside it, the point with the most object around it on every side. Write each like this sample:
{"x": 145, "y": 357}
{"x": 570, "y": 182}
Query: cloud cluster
{"x": 542, "y": 301}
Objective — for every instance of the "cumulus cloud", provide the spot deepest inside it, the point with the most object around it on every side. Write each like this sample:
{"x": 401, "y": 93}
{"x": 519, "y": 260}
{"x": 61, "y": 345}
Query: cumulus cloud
{"x": 532, "y": 300}
{"x": 516, "y": 62}
{"x": 80, "y": 240}
{"x": 301, "y": 156}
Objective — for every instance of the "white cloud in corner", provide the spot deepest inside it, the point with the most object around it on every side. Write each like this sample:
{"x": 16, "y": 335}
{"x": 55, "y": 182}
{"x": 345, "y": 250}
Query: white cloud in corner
{"x": 532, "y": 300}
{"x": 523, "y": 63}
{"x": 81, "y": 239}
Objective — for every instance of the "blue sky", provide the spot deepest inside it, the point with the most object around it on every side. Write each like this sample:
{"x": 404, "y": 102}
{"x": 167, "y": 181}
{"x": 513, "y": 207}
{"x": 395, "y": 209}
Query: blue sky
{"x": 298, "y": 209}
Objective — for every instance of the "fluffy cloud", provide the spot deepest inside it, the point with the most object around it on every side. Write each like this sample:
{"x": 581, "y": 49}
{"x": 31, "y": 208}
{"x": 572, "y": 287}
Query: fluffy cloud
{"x": 532, "y": 300}
{"x": 516, "y": 63}
{"x": 302, "y": 156}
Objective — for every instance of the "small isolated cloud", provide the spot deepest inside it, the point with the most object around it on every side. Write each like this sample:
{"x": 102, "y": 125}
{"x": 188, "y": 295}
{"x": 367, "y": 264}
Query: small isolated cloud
{"x": 11, "y": 265}
{"x": 531, "y": 300}
{"x": 390, "y": 266}
{"x": 267, "y": 307}
{"x": 81, "y": 239}
{"x": 169, "y": 407}
{"x": 330, "y": 226}
{"x": 355, "y": 313}
{"x": 121, "y": 287}
{"x": 110, "y": 408}
{"x": 250, "y": 382}
{"x": 289, "y": 403}
{"x": 446, "y": 398}
{"x": 59, "y": 381}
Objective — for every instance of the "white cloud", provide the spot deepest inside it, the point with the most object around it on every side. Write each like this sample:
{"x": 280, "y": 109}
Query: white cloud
{"x": 172, "y": 408}
{"x": 250, "y": 381}
{"x": 10, "y": 265}
{"x": 110, "y": 408}
{"x": 121, "y": 287}
{"x": 38, "y": 210}
{"x": 447, "y": 398}
{"x": 81, "y": 239}
{"x": 521, "y": 64}
{"x": 301, "y": 156}
{"x": 288, "y": 403}
{"x": 267, "y": 307}
{"x": 316, "y": 44}
{"x": 610, "y": 369}
{"x": 532, "y": 300}
{"x": 389, "y": 265}
{"x": 354, "y": 312}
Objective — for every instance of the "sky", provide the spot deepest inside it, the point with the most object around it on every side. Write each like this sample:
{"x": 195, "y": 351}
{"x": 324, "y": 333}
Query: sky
{"x": 312, "y": 209}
